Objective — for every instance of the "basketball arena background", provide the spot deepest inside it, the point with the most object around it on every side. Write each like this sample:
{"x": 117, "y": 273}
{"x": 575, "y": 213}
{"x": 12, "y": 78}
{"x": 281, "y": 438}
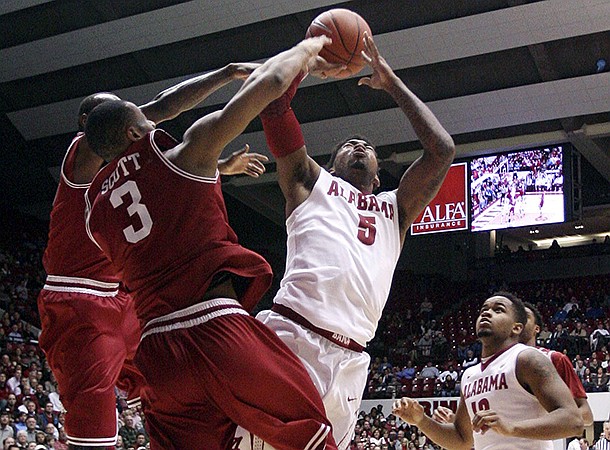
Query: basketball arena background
{"x": 501, "y": 75}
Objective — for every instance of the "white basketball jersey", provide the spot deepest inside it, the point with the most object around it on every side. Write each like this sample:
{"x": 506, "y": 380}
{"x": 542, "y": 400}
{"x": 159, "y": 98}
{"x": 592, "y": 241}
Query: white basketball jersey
{"x": 343, "y": 247}
{"x": 493, "y": 385}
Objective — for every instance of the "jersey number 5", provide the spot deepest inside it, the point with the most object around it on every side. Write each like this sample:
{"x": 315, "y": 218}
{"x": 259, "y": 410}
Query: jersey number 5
{"x": 366, "y": 229}
{"x": 135, "y": 208}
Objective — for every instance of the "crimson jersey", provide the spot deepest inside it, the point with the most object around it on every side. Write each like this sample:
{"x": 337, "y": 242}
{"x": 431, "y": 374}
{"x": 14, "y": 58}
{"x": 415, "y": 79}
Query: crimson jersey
{"x": 61, "y": 257}
{"x": 566, "y": 371}
{"x": 167, "y": 231}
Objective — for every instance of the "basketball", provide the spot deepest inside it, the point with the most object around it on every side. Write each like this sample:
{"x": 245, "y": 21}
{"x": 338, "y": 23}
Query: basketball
{"x": 346, "y": 29}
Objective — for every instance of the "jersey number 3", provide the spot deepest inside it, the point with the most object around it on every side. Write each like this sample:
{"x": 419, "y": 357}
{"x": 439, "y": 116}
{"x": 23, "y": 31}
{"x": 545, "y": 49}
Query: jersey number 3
{"x": 366, "y": 229}
{"x": 134, "y": 209}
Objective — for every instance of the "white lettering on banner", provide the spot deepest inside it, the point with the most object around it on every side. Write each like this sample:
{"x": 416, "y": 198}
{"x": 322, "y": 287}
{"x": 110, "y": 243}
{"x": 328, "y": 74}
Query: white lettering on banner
{"x": 452, "y": 211}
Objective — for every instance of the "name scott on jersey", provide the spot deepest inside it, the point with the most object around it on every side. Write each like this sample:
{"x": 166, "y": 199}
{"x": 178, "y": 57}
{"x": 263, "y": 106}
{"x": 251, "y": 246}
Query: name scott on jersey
{"x": 121, "y": 169}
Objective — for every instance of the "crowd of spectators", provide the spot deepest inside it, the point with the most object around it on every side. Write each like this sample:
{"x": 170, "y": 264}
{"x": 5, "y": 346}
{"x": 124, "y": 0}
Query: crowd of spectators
{"x": 425, "y": 340}
{"x": 31, "y": 412}
{"x": 375, "y": 431}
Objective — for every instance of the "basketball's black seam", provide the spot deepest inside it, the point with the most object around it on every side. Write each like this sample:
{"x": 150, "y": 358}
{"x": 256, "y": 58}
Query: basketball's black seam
{"x": 351, "y": 52}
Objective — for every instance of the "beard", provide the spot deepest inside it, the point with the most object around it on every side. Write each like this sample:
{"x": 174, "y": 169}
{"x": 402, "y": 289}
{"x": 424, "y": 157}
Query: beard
{"x": 484, "y": 333}
{"x": 358, "y": 164}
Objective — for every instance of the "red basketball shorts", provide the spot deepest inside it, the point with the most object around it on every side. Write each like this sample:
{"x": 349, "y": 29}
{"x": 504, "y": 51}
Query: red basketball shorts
{"x": 213, "y": 366}
{"x": 90, "y": 338}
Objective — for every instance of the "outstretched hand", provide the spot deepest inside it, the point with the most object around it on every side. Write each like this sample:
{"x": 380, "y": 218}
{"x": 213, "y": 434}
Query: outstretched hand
{"x": 243, "y": 162}
{"x": 323, "y": 69}
{"x": 382, "y": 72}
{"x": 408, "y": 410}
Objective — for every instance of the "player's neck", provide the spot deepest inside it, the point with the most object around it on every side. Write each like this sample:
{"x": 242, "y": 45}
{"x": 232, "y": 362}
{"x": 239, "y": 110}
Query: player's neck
{"x": 493, "y": 347}
{"x": 86, "y": 163}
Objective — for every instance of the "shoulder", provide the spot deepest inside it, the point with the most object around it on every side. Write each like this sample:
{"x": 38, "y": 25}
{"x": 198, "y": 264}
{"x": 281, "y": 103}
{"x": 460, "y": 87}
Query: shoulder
{"x": 532, "y": 364}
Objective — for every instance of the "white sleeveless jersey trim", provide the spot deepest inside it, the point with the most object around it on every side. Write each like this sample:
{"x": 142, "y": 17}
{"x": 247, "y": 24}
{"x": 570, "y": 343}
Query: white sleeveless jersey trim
{"x": 62, "y": 172}
{"x": 177, "y": 169}
{"x": 335, "y": 279}
{"x": 495, "y": 386}
{"x": 87, "y": 217}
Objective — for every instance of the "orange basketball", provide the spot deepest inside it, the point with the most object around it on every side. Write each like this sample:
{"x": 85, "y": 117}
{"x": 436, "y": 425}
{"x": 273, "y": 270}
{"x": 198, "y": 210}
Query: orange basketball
{"x": 346, "y": 29}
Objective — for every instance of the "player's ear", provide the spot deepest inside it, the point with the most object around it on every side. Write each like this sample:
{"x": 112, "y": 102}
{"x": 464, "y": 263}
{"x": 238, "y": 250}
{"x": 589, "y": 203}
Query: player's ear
{"x": 134, "y": 133}
{"x": 82, "y": 120}
{"x": 376, "y": 182}
{"x": 517, "y": 328}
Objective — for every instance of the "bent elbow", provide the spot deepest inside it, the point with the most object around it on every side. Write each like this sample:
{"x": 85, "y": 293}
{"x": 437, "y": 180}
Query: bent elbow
{"x": 577, "y": 425}
{"x": 449, "y": 148}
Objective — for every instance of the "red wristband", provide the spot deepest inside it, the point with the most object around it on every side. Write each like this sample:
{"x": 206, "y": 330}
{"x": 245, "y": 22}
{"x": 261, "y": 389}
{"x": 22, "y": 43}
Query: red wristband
{"x": 282, "y": 104}
{"x": 283, "y": 133}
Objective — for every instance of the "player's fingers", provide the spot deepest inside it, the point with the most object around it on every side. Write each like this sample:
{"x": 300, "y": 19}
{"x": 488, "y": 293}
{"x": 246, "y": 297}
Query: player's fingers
{"x": 256, "y": 166}
{"x": 370, "y": 46}
{"x": 366, "y": 56}
{"x": 258, "y": 157}
{"x": 364, "y": 81}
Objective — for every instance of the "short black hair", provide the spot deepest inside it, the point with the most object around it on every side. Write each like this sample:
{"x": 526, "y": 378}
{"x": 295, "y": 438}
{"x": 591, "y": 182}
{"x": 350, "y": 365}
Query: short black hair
{"x": 105, "y": 125}
{"x": 337, "y": 147}
{"x": 90, "y": 102}
{"x": 536, "y": 312}
{"x": 518, "y": 306}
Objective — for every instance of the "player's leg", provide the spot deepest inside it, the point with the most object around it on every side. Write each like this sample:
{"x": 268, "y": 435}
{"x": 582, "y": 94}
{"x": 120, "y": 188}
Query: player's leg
{"x": 339, "y": 374}
{"x": 230, "y": 370}
{"x": 297, "y": 423}
{"x": 85, "y": 356}
{"x": 130, "y": 379}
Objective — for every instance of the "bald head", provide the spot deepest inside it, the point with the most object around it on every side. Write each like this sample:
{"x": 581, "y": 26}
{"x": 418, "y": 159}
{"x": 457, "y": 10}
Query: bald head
{"x": 90, "y": 102}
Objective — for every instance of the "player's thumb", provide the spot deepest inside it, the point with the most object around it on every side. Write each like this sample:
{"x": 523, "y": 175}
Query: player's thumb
{"x": 365, "y": 81}
{"x": 242, "y": 150}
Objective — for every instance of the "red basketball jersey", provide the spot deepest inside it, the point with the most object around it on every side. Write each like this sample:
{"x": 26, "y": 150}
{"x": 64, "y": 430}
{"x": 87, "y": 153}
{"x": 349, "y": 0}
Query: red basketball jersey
{"x": 566, "y": 371}
{"x": 62, "y": 256}
{"x": 167, "y": 231}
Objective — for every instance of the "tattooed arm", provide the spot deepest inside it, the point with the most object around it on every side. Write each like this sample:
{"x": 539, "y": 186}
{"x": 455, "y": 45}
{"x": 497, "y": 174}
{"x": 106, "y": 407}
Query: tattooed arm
{"x": 422, "y": 180}
{"x": 537, "y": 374}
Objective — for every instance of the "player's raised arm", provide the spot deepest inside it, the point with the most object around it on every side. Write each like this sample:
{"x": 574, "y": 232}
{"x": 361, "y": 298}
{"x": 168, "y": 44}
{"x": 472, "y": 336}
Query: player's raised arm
{"x": 422, "y": 180}
{"x": 206, "y": 138}
{"x": 456, "y": 435}
{"x": 536, "y": 373}
{"x": 188, "y": 94}
{"x": 297, "y": 172}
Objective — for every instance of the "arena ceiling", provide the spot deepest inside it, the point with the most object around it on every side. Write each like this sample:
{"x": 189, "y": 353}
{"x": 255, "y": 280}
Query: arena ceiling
{"x": 499, "y": 74}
